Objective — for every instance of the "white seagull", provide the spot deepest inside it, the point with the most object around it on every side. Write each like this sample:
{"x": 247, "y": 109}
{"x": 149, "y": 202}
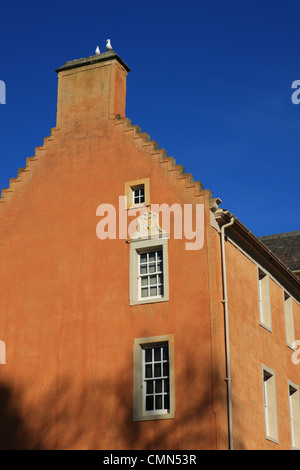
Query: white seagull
{"x": 108, "y": 45}
{"x": 97, "y": 51}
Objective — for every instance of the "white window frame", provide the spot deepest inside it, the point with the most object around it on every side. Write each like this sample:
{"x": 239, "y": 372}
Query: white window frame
{"x": 148, "y": 276}
{"x": 138, "y": 247}
{"x": 270, "y": 404}
{"x": 294, "y": 405}
{"x": 289, "y": 319}
{"x": 139, "y": 381}
{"x": 264, "y": 300}
{"x": 138, "y": 188}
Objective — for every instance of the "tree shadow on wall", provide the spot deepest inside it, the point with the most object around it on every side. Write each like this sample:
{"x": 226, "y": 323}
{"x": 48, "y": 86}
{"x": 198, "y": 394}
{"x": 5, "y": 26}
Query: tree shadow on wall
{"x": 99, "y": 416}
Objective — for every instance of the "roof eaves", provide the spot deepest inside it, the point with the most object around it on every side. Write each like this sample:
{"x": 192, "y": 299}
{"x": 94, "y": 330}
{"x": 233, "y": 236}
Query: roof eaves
{"x": 223, "y": 216}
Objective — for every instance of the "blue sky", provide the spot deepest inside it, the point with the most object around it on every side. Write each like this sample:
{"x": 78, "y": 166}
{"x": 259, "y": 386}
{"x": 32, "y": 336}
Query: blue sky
{"x": 210, "y": 82}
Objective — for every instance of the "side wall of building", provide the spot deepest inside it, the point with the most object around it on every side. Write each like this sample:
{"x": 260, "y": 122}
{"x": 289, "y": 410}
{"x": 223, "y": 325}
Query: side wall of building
{"x": 255, "y": 347}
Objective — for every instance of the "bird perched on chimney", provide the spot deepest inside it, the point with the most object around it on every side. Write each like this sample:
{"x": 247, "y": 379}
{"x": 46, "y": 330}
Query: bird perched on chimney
{"x": 97, "y": 51}
{"x": 108, "y": 45}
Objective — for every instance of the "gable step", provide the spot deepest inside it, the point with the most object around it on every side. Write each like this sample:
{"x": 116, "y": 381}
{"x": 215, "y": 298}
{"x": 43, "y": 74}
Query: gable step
{"x": 3, "y": 191}
{"x": 155, "y": 151}
{"x": 21, "y": 170}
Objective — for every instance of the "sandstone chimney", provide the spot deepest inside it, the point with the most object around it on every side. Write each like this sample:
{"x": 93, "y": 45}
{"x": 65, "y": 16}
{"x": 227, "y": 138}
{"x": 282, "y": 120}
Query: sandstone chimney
{"x": 91, "y": 90}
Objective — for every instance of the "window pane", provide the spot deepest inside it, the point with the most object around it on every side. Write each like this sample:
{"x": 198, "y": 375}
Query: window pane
{"x": 158, "y": 386}
{"x": 159, "y": 267}
{"x": 143, "y": 269}
{"x": 143, "y": 257}
{"x": 166, "y": 386}
{"x": 160, "y": 290}
{"x": 152, "y": 280}
{"x": 166, "y": 402}
{"x": 166, "y": 369}
{"x": 158, "y": 402}
{"x": 159, "y": 255}
{"x": 157, "y": 370}
{"x": 148, "y": 355}
{"x": 148, "y": 371}
{"x": 165, "y": 353}
{"x": 144, "y": 281}
{"x": 153, "y": 291}
{"x": 152, "y": 268}
{"x": 149, "y": 387}
{"x": 149, "y": 403}
{"x": 152, "y": 256}
{"x": 145, "y": 292}
{"x": 157, "y": 355}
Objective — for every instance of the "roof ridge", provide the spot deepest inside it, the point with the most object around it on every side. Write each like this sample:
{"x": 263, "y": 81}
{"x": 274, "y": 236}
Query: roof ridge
{"x": 281, "y": 234}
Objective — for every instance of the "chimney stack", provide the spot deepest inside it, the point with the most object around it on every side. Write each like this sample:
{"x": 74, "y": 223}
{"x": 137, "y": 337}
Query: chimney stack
{"x": 90, "y": 90}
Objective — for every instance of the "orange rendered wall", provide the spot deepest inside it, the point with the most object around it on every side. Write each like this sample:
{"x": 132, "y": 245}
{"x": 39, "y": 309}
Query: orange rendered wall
{"x": 251, "y": 346}
{"x": 64, "y": 299}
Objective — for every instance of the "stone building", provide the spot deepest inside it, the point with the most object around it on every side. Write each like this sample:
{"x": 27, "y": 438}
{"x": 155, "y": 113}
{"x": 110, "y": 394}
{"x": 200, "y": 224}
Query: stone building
{"x": 136, "y": 313}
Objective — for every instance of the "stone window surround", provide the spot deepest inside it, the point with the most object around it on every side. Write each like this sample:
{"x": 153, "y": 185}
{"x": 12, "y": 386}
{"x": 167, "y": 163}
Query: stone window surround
{"x": 129, "y": 185}
{"x": 143, "y": 245}
{"x": 138, "y": 413}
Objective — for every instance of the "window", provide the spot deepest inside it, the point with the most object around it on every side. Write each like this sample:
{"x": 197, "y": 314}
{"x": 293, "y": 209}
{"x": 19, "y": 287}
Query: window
{"x": 148, "y": 271}
{"x": 294, "y": 415}
{"x": 156, "y": 377}
{"x": 151, "y": 277}
{"x": 153, "y": 378}
{"x": 289, "y": 320}
{"x": 270, "y": 405}
{"x": 264, "y": 300}
{"x": 137, "y": 193}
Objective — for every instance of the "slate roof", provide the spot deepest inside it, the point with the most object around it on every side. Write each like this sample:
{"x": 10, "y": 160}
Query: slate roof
{"x": 286, "y": 246}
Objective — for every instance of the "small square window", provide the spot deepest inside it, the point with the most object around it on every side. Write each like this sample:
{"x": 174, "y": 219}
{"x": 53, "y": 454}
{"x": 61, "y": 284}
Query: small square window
{"x": 137, "y": 193}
